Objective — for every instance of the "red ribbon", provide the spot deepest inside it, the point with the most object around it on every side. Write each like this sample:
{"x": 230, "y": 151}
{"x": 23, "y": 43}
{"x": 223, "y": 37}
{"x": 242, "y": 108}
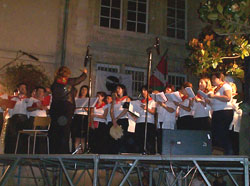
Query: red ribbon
{"x": 62, "y": 80}
{"x": 218, "y": 87}
{"x": 99, "y": 106}
{"x": 120, "y": 99}
{"x": 144, "y": 100}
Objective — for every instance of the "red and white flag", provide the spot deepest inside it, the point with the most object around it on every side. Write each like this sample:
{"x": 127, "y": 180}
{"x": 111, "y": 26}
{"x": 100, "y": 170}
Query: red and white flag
{"x": 158, "y": 79}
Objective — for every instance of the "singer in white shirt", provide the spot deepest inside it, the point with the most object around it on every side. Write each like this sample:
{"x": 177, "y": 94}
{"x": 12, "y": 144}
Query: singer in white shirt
{"x": 18, "y": 121}
{"x": 201, "y": 108}
{"x": 185, "y": 119}
{"x": 166, "y": 117}
{"x": 221, "y": 102}
{"x": 119, "y": 116}
{"x": 141, "y": 123}
{"x": 99, "y": 125}
{"x": 80, "y": 122}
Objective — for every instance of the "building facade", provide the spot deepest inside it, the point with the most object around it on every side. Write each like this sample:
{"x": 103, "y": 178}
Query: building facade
{"x": 117, "y": 31}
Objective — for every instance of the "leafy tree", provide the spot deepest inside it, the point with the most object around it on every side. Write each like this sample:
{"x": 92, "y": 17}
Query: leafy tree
{"x": 29, "y": 74}
{"x": 224, "y": 43}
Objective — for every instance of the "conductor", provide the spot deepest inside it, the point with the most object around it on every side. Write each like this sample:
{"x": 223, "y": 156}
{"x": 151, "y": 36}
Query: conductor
{"x": 62, "y": 109}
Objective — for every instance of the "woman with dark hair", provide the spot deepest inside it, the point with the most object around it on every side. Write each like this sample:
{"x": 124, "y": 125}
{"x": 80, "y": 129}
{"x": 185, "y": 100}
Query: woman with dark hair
{"x": 140, "y": 124}
{"x": 62, "y": 109}
{"x": 166, "y": 116}
{"x": 80, "y": 121}
{"x": 221, "y": 103}
{"x": 99, "y": 125}
{"x": 185, "y": 119}
{"x": 119, "y": 116}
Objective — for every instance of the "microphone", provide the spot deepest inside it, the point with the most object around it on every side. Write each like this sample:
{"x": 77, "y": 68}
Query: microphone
{"x": 157, "y": 45}
{"x": 29, "y": 55}
{"x": 86, "y": 57}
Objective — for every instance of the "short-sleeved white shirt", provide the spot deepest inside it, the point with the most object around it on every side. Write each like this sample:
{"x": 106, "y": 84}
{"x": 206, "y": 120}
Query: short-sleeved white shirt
{"x": 183, "y": 112}
{"x": 220, "y": 105}
{"x": 41, "y": 113}
{"x": 150, "y": 118}
{"x": 200, "y": 110}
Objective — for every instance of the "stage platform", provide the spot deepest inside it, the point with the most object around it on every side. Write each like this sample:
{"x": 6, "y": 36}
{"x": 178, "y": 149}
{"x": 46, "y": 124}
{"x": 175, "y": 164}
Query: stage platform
{"x": 51, "y": 167}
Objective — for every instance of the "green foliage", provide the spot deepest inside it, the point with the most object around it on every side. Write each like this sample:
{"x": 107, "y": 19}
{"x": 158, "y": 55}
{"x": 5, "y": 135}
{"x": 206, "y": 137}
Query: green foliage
{"x": 227, "y": 16}
{"x": 29, "y": 74}
{"x": 223, "y": 44}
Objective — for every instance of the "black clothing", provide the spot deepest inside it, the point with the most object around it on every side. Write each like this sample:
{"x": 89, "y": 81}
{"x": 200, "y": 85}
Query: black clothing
{"x": 185, "y": 123}
{"x": 140, "y": 137}
{"x": 221, "y": 121}
{"x": 61, "y": 113}
{"x": 79, "y": 126}
{"x": 14, "y": 124}
{"x": 1, "y": 121}
{"x": 202, "y": 123}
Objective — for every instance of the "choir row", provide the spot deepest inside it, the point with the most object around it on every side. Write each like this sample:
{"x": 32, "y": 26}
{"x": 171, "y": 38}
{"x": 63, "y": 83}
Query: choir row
{"x": 212, "y": 109}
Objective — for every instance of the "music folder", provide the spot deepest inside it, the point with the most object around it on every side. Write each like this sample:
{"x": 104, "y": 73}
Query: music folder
{"x": 203, "y": 94}
{"x": 159, "y": 97}
{"x": 83, "y": 102}
{"x": 174, "y": 96}
{"x": 190, "y": 92}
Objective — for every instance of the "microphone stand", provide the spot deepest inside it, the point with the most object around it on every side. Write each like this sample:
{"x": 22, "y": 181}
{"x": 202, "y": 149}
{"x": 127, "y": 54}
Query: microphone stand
{"x": 87, "y": 149}
{"x": 12, "y": 61}
{"x": 80, "y": 146}
{"x": 149, "y": 52}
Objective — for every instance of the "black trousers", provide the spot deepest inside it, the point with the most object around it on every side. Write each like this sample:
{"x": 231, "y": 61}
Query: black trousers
{"x": 121, "y": 145}
{"x": 14, "y": 124}
{"x": 140, "y": 137}
{"x": 202, "y": 123}
{"x": 61, "y": 113}
{"x": 101, "y": 136}
{"x": 221, "y": 121}
{"x": 185, "y": 123}
{"x": 1, "y": 121}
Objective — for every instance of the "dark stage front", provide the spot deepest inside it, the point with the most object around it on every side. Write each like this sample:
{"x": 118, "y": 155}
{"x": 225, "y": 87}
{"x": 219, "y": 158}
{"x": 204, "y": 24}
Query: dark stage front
{"x": 72, "y": 167}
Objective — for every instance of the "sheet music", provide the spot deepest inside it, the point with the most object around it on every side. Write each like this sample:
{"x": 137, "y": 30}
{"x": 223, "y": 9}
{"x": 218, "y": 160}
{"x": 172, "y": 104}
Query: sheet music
{"x": 174, "y": 96}
{"x": 83, "y": 102}
{"x": 134, "y": 108}
{"x": 131, "y": 124}
{"x": 190, "y": 92}
{"x": 203, "y": 94}
{"x": 159, "y": 97}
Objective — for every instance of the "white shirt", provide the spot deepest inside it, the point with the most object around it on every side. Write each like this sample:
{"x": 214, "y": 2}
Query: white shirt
{"x": 108, "y": 118}
{"x": 150, "y": 118}
{"x": 183, "y": 112}
{"x": 160, "y": 111}
{"x": 118, "y": 108}
{"x": 38, "y": 112}
{"x": 20, "y": 106}
{"x": 80, "y": 111}
{"x": 237, "y": 116}
{"x": 169, "y": 119}
{"x": 200, "y": 110}
{"x": 99, "y": 111}
{"x": 220, "y": 105}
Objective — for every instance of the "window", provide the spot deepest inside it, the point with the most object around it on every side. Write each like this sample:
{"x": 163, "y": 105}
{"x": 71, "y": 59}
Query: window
{"x": 176, "y": 18}
{"x": 176, "y": 79}
{"x": 110, "y": 15}
{"x": 138, "y": 79}
{"x": 108, "y": 68}
{"x": 137, "y": 16}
